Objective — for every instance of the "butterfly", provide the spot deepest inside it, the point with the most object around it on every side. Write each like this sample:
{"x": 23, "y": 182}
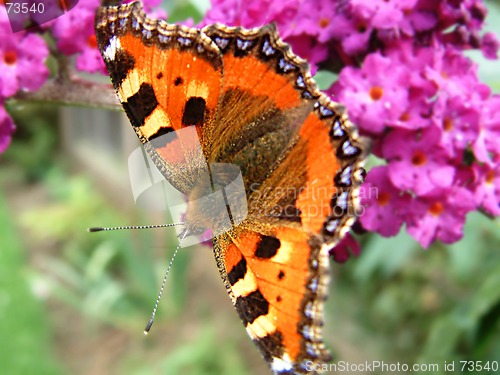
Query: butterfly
{"x": 248, "y": 102}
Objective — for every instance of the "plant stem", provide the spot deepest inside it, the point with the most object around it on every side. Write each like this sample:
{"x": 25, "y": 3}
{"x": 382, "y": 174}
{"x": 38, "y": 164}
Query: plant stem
{"x": 75, "y": 92}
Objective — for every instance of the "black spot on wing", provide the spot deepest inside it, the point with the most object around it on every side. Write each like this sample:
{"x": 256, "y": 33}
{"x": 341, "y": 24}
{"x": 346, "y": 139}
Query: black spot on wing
{"x": 252, "y": 306}
{"x": 194, "y": 111}
{"x": 141, "y": 104}
{"x": 120, "y": 67}
{"x": 267, "y": 247}
{"x": 271, "y": 345}
{"x": 178, "y": 81}
{"x": 238, "y": 272}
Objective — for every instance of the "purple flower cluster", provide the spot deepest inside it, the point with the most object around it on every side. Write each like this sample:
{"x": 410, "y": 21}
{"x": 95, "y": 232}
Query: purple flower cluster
{"x": 408, "y": 86}
{"x": 74, "y": 33}
{"x": 22, "y": 68}
{"x": 430, "y": 118}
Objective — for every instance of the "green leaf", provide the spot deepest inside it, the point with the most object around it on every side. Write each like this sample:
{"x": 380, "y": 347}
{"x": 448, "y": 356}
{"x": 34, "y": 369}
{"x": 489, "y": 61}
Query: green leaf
{"x": 486, "y": 297}
{"x": 325, "y": 79}
{"x": 24, "y": 331}
{"x": 385, "y": 256}
{"x": 442, "y": 340}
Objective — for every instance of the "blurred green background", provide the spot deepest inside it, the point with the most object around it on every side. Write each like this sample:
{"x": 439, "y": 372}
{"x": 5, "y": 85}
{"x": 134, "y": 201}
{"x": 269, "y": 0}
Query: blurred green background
{"x": 76, "y": 303}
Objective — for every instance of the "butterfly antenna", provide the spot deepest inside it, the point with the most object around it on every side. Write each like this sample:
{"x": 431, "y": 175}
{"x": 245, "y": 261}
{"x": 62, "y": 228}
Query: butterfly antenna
{"x": 99, "y": 229}
{"x": 151, "y": 320}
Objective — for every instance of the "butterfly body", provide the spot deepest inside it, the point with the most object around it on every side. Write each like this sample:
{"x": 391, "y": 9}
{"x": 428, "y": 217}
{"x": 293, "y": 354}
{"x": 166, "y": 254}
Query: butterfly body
{"x": 202, "y": 101}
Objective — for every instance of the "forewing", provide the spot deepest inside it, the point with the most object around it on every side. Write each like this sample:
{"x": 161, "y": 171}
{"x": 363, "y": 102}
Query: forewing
{"x": 168, "y": 77}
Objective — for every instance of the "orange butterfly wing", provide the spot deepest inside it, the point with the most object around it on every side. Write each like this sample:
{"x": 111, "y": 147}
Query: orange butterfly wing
{"x": 275, "y": 265}
{"x": 254, "y": 105}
